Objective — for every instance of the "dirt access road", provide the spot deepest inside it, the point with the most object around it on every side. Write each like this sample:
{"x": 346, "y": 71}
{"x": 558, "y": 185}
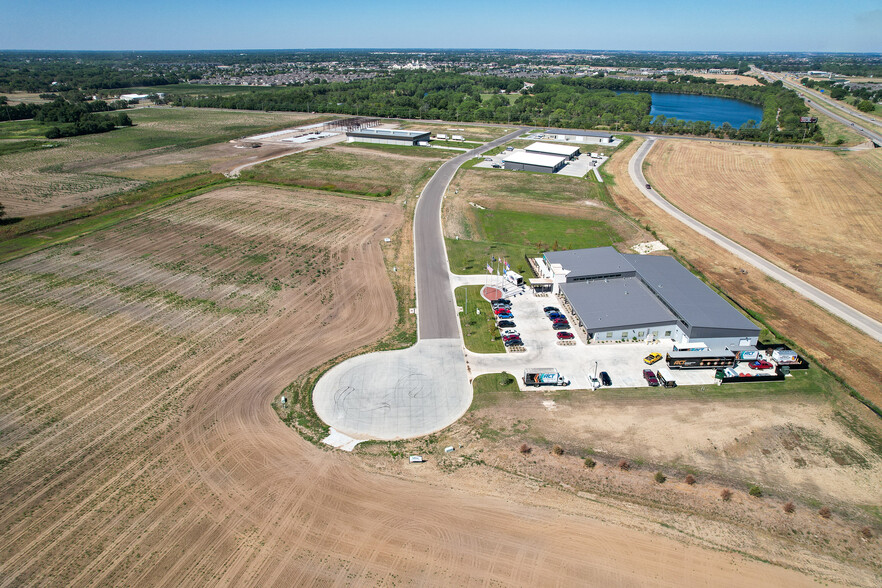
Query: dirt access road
{"x": 858, "y": 319}
{"x": 140, "y": 447}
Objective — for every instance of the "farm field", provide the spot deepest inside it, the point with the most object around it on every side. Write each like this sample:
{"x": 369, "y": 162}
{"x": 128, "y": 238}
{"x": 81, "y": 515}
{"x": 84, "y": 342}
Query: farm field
{"x": 166, "y": 143}
{"x": 848, "y": 352}
{"x": 350, "y": 169}
{"x": 730, "y": 79}
{"x": 833, "y": 199}
{"x": 140, "y": 446}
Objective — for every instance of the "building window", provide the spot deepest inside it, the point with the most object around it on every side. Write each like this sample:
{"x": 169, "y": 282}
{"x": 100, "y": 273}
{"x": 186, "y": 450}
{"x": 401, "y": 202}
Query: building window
{"x": 655, "y": 334}
{"x": 624, "y": 334}
{"x": 640, "y": 334}
{"x": 609, "y": 335}
{"x": 667, "y": 333}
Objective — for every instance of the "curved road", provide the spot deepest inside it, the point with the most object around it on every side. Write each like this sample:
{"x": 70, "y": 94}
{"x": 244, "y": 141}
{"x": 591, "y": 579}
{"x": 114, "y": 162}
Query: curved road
{"x": 854, "y": 317}
{"x": 436, "y": 308}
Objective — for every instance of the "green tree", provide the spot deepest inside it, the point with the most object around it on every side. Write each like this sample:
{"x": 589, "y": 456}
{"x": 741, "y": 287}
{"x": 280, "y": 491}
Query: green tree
{"x": 2, "y": 210}
{"x": 866, "y": 106}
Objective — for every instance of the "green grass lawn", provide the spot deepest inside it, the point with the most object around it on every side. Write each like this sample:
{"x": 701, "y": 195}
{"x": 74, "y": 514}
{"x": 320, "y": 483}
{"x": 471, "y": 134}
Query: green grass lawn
{"x": 406, "y": 150}
{"x": 513, "y": 234}
{"x": 512, "y": 98}
{"x": 478, "y": 323}
{"x": 23, "y": 129}
{"x": 459, "y": 144}
{"x": 489, "y": 389}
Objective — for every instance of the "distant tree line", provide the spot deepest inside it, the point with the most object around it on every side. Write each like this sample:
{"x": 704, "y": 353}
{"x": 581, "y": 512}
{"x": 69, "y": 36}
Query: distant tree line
{"x": 75, "y": 115}
{"x": 866, "y": 99}
{"x": 590, "y": 102}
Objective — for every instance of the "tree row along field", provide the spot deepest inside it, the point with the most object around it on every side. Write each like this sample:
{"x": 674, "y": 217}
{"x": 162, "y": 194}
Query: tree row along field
{"x": 120, "y": 350}
{"x": 757, "y": 196}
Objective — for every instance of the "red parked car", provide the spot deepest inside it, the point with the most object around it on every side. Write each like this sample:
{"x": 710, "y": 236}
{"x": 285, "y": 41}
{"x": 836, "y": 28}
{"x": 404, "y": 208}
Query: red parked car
{"x": 650, "y": 378}
{"x": 760, "y": 364}
{"x": 565, "y": 335}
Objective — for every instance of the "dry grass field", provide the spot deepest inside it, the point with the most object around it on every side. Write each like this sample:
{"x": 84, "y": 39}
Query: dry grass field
{"x": 469, "y": 131}
{"x": 758, "y": 196}
{"x": 730, "y": 79}
{"x": 839, "y": 346}
{"x": 166, "y": 143}
{"x": 140, "y": 447}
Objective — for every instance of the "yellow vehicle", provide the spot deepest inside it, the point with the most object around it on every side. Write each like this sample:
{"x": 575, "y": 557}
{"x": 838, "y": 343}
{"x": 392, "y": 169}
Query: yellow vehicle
{"x": 652, "y": 358}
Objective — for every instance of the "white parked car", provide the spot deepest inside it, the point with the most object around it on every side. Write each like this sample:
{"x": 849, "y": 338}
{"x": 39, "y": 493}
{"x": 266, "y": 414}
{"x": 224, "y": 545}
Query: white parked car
{"x": 595, "y": 383}
{"x": 507, "y": 332}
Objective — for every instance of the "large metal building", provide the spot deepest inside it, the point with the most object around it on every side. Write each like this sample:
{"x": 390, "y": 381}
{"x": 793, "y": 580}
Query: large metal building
{"x": 534, "y": 162}
{"x": 579, "y": 136}
{"x": 568, "y": 151}
{"x": 622, "y": 297}
{"x": 388, "y": 136}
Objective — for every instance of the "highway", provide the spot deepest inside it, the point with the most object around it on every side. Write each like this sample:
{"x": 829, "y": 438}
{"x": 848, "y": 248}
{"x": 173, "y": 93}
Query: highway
{"x": 825, "y": 106}
{"x": 854, "y": 317}
{"x": 436, "y": 308}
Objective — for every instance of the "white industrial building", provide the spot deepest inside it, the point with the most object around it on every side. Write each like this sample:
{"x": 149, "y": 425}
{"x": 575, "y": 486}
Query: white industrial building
{"x": 579, "y": 136}
{"x": 534, "y": 162}
{"x": 626, "y": 297}
{"x": 389, "y": 136}
{"x": 568, "y": 151}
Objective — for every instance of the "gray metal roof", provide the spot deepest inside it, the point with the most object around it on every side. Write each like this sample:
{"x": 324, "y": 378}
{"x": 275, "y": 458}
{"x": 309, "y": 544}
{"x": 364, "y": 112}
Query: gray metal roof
{"x": 691, "y": 298}
{"x": 591, "y": 262}
{"x": 618, "y": 304}
{"x": 550, "y": 161}
{"x": 579, "y": 132}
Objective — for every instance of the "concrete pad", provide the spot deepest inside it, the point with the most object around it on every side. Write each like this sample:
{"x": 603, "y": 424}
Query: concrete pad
{"x": 396, "y": 394}
{"x": 338, "y": 440}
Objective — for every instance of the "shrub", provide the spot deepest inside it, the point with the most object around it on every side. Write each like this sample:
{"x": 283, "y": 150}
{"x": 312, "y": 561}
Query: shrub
{"x": 824, "y": 512}
{"x": 557, "y": 450}
{"x": 726, "y": 494}
{"x": 624, "y": 465}
{"x": 867, "y": 533}
{"x": 660, "y": 477}
{"x": 589, "y": 462}
{"x": 525, "y": 449}
{"x": 789, "y": 508}
{"x": 755, "y": 491}
{"x": 690, "y": 479}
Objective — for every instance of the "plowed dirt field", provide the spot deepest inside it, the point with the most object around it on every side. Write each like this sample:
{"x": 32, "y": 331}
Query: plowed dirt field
{"x": 139, "y": 447}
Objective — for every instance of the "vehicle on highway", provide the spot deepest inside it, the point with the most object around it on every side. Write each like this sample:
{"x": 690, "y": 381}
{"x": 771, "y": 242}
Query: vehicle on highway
{"x": 505, "y": 332}
{"x": 604, "y": 377}
{"x": 506, "y": 324}
{"x": 513, "y": 343}
{"x": 652, "y": 358}
{"x": 648, "y": 187}
{"x": 565, "y": 336}
{"x": 760, "y": 364}
{"x": 650, "y": 378}
{"x": 561, "y": 326}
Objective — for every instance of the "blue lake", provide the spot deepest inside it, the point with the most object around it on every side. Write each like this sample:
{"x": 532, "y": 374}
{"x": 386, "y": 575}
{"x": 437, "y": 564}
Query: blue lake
{"x": 717, "y": 110}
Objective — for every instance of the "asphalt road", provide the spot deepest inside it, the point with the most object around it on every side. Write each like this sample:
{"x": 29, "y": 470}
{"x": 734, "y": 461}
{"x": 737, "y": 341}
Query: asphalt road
{"x": 436, "y": 308}
{"x": 854, "y": 317}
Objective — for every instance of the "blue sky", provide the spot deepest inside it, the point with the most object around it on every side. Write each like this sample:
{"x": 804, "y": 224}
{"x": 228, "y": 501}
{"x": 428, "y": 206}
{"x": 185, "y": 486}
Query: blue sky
{"x": 688, "y": 25}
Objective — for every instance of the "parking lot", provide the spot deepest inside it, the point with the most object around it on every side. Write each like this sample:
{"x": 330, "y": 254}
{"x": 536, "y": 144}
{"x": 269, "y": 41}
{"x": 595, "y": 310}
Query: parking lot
{"x": 577, "y": 361}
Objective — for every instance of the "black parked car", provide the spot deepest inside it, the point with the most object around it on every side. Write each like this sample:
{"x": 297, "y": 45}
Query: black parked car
{"x": 548, "y": 309}
{"x": 605, "y": 379}
{"x": 506, "y": 324}
{"x": 513, "y": 343}
{"x": 561, "y": 326}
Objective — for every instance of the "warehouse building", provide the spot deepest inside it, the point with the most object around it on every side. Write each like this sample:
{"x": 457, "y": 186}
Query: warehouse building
{"x": 619, "y": 297}
{"x": 389, "y": 136}
{"x": 579, "y": 136}
{"x": 534, "y": 162}
{"x": 568, "y": 151}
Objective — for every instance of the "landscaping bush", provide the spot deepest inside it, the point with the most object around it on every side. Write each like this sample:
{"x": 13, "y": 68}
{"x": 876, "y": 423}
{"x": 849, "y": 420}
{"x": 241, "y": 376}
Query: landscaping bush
{"x": 557, "y": 450}
{"x": 660, "y": 478}
{"x": 590, "y": 463}
{"x": 825, "y": 512}
{"x": 690, "y": 479}
{"x": 624, "y": 465}
{"x": 756, "y": 491}
{"x": 789, "y": 508}
{"x": 525, "y": 449}
{"x": 726, "y": 494}
{"x": 867, "y": 533}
